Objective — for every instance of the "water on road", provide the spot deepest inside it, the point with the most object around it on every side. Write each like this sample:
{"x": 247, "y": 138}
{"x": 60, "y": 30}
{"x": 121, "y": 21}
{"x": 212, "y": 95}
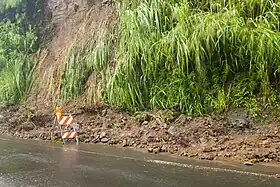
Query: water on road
{"x": 36, "y": 163}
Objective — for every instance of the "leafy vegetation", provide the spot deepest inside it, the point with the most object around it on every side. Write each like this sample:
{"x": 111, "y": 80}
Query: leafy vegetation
{"x": 197, "y": 56}
{"x": 18, "y": 42}
{"x": 85, "y": 60}
{"x": 191, "y": 56}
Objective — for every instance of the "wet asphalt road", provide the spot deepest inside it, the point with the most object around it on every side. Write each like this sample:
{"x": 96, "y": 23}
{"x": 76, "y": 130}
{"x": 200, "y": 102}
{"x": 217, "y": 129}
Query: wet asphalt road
{"x": 35, "y": 163}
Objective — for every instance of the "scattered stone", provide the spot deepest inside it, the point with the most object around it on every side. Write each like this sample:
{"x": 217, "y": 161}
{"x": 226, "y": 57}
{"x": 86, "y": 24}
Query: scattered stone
{"x": 266, "y": 143}
{"x": 96, "y": 140}
{"x": 150, "y": 150}
{"x": 104, "y": 112}
{"x": 227, "y": 155}
{"x": 210, "y": 156}
{"x": 203, "y": 140}
{"x": 173, "y": 131}
{"x": 193, "y": 154}
{"x": 234, "y": 150}
{"x": 277, "y": 175}
{"x": 207, "y": 149}
{"x": 105, "y": 140}
{"x": 102, "y": 135}
{"x": 263, "y": 138}
{"x": 184, "y": 153}
{"x": 163, "y": 148}
{"x": 156, "y": 150}
{"x": 125, "y": 143}
{"x": 13, "y": 120}
{"x": 87, "y": 140}
{"x": 248, "y": 163}
{"x": 145, "y": 123}
{"x": 2, "y": 119}
{"x": 113, "y": 141}
{"x": 27, "y": 126}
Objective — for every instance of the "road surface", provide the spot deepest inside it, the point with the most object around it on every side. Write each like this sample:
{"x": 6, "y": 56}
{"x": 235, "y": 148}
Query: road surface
{"x": 36, "y": 163}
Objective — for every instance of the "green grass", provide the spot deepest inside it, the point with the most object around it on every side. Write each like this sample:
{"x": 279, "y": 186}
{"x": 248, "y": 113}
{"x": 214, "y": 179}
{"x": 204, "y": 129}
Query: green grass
{"x": 190, "y": 56}
{"x": 196, "y": 56}
{"x": 17, "y": 65}
{"x": 86, "y": 62}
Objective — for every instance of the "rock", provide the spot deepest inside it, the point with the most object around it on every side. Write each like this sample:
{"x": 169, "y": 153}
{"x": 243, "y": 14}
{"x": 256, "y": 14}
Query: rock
{"x": 107, "y": 126}
{"x": 207, "y": 149}
{"x": 266, "y": 143}
{"x": 105, "y": 140}
{"x": 164, "y": 125}
{"x": 27, "y": 126}
{"x": 104, "y": 112}
{"x": 125, "y": 143}
{"x": 13, "y": 120}
{"x": 150, "y": 150}
{"x": 89, "y": 128}
{"x": 2, "y": 119}
{"x": 203, "y": 140}
{"x": 248, "y": 163}
{"x": 163, "y": 148}
{"x": 277, "y": 175}
{"x": 145, "y": 123}
{"x": 181, "y": 119}
{"x": 156, "y": 150}
{"x": 102, "y": 135}
{"x": 227, "y": 155}
{"x": 87, "y": 140}
{"x": 31, "y": 136}
{"x": 96, "y": 140}
{"x": 82, "y": 137}
{"x": 113, "y": 141}
{"x": 184, "y": 153}
{"x": 210, "y": 156}
{"x": 173, "y": 131}
{"x": 263, "y": 138}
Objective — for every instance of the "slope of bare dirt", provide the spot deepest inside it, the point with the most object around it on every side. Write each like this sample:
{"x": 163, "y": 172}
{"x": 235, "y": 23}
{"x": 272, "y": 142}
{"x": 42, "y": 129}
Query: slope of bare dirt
{"x": 74, "y": 20}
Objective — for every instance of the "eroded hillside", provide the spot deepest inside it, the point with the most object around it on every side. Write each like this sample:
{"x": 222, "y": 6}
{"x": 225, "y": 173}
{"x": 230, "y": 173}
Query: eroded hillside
{"x": 75, "y": 23}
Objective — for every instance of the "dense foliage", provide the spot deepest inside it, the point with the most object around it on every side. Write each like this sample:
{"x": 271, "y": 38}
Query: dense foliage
{"x": 197, "y": 56}
{"x": 18, "y": 41}
{"x": 192, "y": 56}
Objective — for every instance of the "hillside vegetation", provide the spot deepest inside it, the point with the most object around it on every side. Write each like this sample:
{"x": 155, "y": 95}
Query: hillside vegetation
{"x": 195, "y": 57}
{"x": 192, "y": 56}
{"x": 18, "y": 43}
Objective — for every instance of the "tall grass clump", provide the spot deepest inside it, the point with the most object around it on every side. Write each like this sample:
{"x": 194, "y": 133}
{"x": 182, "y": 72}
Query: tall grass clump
{"x": 196, "y": 56}
{"x": 20, "y": 22}
{"x": 86, "y": 61}
{"x": 16, "y": 62}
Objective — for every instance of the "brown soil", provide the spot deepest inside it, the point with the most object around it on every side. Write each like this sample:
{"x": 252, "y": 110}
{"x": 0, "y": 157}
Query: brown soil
{"x": 201, "y": 137}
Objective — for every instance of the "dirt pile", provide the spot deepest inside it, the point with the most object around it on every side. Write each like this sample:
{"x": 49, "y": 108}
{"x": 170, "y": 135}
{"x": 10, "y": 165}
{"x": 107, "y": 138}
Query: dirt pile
{"x": 202, "y": 137}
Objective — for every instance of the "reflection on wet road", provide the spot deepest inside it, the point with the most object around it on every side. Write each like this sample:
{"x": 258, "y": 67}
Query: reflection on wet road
{"x": 34, "y": 163}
